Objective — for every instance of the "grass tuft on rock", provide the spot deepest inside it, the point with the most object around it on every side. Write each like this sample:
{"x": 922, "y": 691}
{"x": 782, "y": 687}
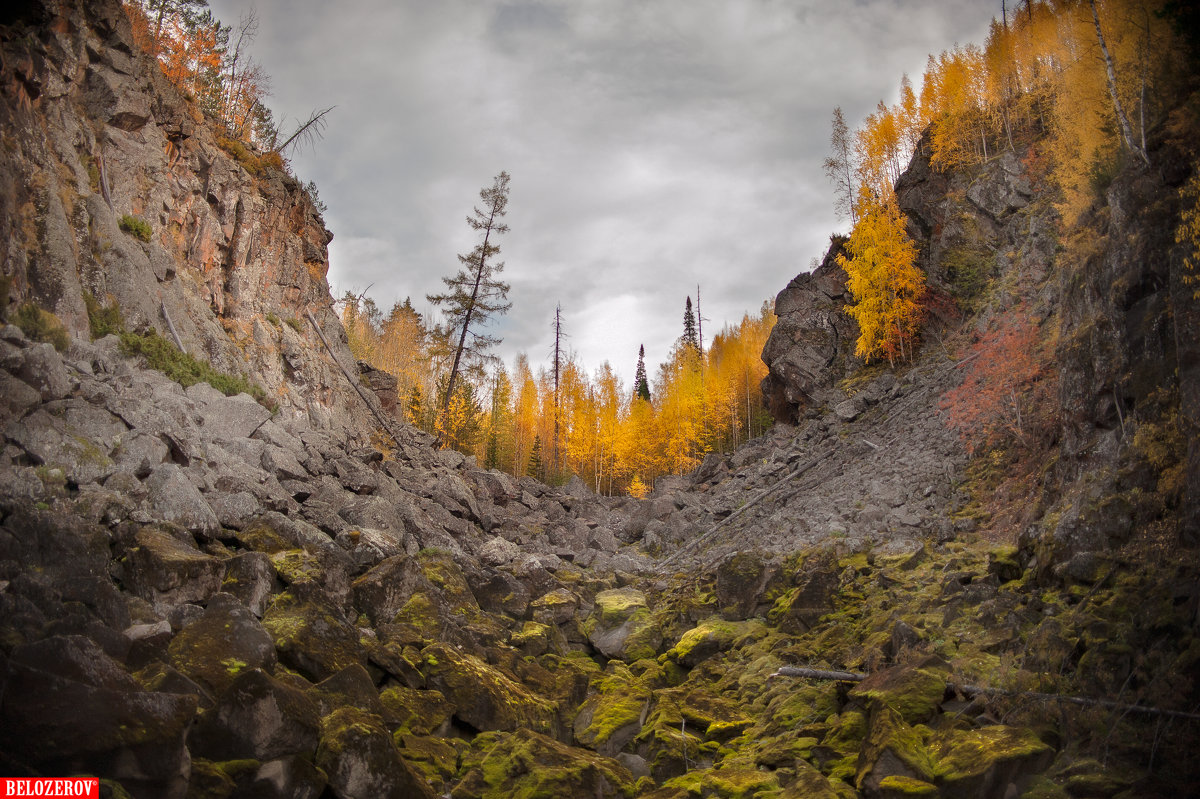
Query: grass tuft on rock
{"x": 136, "y": 226}
{"x": 43, "y": 326}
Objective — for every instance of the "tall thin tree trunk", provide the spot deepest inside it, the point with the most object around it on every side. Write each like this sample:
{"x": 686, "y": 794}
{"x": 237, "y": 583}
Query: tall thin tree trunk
{"x": 462, "y": 339}
{"x": 557, "y": 363}
{"x": 1122, "y": 118}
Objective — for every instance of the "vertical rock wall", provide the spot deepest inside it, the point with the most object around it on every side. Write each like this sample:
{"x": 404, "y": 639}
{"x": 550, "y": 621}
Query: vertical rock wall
{"x": 91, "y": 131}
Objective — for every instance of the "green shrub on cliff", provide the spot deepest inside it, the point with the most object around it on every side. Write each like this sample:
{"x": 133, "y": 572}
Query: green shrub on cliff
{"x": 136, "y": 226}
{"x": 186, "y": 369}
{"x": 42, "y": 326}
{"x": 102, "y": 319}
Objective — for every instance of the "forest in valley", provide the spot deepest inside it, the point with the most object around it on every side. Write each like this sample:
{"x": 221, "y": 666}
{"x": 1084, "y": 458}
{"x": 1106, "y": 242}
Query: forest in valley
{"x": 555, "y": 420}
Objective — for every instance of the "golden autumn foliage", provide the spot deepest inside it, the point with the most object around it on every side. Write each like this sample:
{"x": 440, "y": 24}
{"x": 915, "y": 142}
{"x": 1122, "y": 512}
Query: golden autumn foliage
{"x": 1086, "y": 78}
{"x": 594, "y": 427}
{"x": 884, "y": 281}
{"x": 208, "y": 62}
{"x": 1188, "y": 232}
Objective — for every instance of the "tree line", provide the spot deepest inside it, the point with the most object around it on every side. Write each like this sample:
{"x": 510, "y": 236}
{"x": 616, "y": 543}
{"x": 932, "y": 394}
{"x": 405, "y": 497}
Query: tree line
{"x": 531, "y": 419}
{"x": 1075, "y": 84}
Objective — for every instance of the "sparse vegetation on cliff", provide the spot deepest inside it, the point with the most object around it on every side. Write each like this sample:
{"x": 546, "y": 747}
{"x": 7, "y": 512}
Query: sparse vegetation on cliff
{"x": 184, "y": 368}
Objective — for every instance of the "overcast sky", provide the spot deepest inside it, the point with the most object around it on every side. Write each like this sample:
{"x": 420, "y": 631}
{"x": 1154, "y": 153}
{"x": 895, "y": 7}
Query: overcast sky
{"x": 653, "y": 145}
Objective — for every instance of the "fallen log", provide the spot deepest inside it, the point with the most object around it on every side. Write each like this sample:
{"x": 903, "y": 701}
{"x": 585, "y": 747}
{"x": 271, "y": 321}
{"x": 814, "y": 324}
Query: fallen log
{"x": 971, "y": 691}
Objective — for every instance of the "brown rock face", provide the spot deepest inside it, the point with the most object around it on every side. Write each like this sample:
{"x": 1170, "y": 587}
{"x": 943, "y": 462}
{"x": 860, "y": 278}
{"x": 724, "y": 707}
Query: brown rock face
{"x": 237, "y": 252}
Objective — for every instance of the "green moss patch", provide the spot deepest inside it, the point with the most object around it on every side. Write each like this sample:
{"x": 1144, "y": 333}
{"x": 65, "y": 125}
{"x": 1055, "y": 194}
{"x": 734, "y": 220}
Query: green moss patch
{"x": 969, "y": 759}
{"x": 43, "y": 326}
{"x": 533, "y": 766}
{"x": 483, "y": 696}
{"x": 913, "y": 692}
{"x": 163, "y": 356}
{"x": 711, "y": 636}
{"x": 311, "y": 638}
{"x": 613, "y": 712}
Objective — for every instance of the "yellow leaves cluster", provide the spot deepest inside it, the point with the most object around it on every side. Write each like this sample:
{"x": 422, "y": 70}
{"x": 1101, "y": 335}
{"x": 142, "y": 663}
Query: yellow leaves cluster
{"x": 884, "y": 280}
{"x": 1188, "y": 232}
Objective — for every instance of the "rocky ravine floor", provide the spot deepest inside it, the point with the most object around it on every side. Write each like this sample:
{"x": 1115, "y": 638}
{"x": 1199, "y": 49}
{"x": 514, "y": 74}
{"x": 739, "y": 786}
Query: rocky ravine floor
{"x": 198, "y": 598}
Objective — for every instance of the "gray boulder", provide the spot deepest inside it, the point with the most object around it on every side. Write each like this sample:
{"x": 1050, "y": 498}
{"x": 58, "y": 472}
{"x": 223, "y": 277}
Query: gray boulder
{"x": 178, "y": 501}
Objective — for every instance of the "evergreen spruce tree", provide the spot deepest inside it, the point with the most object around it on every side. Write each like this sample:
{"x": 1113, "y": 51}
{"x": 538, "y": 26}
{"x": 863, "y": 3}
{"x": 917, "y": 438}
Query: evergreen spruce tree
{"x": 641, "y": 388}
{"x": 416, "y": 406}
{"x": 690, "y": 337}
{"x": 534, "y": 467}
{"x": 475, "y": 294}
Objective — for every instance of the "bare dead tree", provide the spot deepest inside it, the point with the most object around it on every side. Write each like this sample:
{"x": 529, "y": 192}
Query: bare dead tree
{"x": 307, "y": 133}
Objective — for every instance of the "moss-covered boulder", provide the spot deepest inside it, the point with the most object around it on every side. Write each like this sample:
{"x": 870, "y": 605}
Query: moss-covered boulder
{"x": 915, "y": 692}
{"x": 742, "y": 582}
{"x": 435, "y": 758}
{"x": 527, "y": 764}
{"x": 421, "y": 712}
{"x": 164, "y": 566}
{"x": 900, "y": 787}
{"x": 892, "y": 749}
{"x": 793, "y": 704}
{"x": 301, "y": 554}
{"x": 614, "y": 712}
{"x": 69, "y": 708}
{"x": 223, "y": 642}
{"x": 798, "y": 609}
{"x": 312, "y": 637}
{"x": 809, "y": 783}
{"x": 727, "y": 781}
{"x": 711, "y": 636}
{"x": 534, "y": 639}
{"x": 622, "y": 626}
{"x": 361, "y": 760}
{"x": 676, "y": 736}
{"x": 351, "y": 686}
{"x": 501, "y": 592}
{"x": 982, "y": 762}
{"x": 427, "y": 596}
{"x": 555, "y": 607}
{"x": 483, "y": 696}
{"x": 257, "y": 717}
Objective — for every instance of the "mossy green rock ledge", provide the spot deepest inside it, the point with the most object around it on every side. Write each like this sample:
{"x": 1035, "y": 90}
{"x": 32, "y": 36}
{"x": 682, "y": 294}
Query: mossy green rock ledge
{"x": 614, "y": 712}
{"x": 361, "y": 760}
{"x": 622, "y": 626}
{"x": 311, "y": 637}
{"x": 533, "y": 766}
{"x": 483, "y": 696}
{"x": 892, "y": 749}
{"x": 711, "y": 636}
{"x": 983, "y": 761}
{"x": 915, "y": 692}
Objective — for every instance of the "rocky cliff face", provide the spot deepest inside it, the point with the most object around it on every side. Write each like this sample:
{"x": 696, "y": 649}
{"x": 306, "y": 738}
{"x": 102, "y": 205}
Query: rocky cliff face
{"x": 235, "y": 255}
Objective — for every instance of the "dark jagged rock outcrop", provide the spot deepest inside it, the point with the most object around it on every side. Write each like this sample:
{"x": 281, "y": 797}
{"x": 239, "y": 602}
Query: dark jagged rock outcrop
{"x": 811, "y": 346}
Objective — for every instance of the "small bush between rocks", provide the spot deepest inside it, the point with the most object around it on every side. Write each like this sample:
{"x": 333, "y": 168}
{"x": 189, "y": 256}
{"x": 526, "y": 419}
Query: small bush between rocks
{"x": 136, "y": 226}
{"x": 185, "y": 369}
{"x": 103, "y": 320}
{"x": 42, "y": 326}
